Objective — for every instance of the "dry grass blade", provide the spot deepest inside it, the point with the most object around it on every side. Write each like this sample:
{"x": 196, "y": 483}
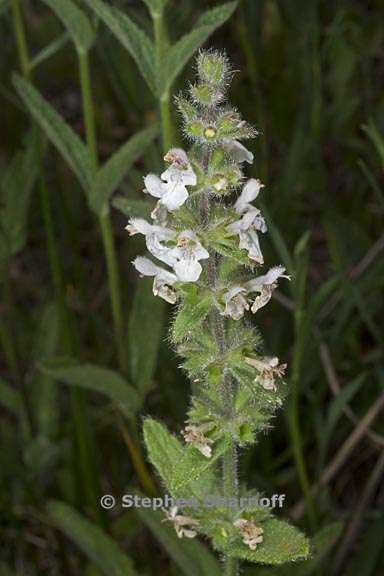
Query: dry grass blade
{"x": 354, "y": 524}
{"x": 343, "y": 453}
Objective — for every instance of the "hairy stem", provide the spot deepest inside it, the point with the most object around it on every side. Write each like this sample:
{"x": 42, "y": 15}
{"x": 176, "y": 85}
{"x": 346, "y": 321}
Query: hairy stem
{"x": 229, "y": 460}
{"x": 104, "y": 218}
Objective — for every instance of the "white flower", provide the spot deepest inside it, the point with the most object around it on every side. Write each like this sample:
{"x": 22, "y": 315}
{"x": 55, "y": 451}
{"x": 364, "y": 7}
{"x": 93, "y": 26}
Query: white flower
{"x": 237, "y": 299}
{"x": 250, "y": 222}
{"x": 269, "y": 369}
{"x": 265, "y": 285}
{"x": 154, "y": 236}
{"x": 194, "y": 435}
{"x": 187, "y": 253}
{"x": 238, "y": 152}
{"x": 163, "y": 280}
{"x": 235, "y": 302}
{"x": 182, "y": 524}
{"x": 171, "y": 188}
{"x": 252, "y": 534}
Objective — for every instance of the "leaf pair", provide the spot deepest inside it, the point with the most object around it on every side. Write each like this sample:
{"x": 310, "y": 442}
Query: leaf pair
{"x": 160, "y": 77}
{"x": 98, "y": 189}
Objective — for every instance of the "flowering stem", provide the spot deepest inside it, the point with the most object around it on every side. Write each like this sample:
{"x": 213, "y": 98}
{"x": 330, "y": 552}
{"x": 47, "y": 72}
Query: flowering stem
{"x": 229, "y": 460}
{"x": 161, "y": 42}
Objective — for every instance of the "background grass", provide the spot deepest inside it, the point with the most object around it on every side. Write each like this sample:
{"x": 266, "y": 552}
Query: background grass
{"x": 310, "y": 78}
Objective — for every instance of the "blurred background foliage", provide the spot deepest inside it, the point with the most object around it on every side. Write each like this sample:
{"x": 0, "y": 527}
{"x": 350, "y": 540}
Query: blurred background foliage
{"x": 310, "y": 77}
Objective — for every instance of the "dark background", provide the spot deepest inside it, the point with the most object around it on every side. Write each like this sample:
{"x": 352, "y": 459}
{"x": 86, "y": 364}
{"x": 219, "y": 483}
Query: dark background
{"x": 310, "y": 78}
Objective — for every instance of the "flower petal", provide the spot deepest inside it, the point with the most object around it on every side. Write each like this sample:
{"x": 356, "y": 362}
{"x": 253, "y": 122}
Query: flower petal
{"x": 188, "y": 270}
{"x": 153, "y": 185}
{"x": 238, "y": 152}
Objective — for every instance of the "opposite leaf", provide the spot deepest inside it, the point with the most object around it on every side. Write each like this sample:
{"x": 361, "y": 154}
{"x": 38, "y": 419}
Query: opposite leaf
{"x": 95, "y": 378}
{"x": 131, "y": 36}
{"x": 281, "y": 543}
{"x": 96, "y": 544}
{"x": 112, "y": 173}
{"x": 75, "y": 21}
{"x": 57, "y": 130}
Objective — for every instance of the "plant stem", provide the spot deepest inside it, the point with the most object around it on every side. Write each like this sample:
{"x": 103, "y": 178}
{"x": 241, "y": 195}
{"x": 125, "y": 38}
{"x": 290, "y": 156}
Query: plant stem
{"x": 22, "y": 49}
{"x": 83, "y": 437}
{"x": 161, "y": 42}
{"x": 229, "y": 459}
{"x": 104, "y": 217}
{"x": 111, "y": 260}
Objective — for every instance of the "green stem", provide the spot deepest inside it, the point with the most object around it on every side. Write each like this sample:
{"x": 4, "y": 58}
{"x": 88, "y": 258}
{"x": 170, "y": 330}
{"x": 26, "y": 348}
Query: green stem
{"x": 293, "y": 422}
{"x": 22, "y": 49}
{"x": 104, "y": 217}
{"x": 229, "y": 459}
{"x": 110, "y": 256}
{"x": 161, "y": 43}
{"x": 83, "y": 436}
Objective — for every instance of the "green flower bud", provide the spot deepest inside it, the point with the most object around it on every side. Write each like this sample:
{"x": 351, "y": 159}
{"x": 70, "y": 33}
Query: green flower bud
{"x": 212, "y": 68}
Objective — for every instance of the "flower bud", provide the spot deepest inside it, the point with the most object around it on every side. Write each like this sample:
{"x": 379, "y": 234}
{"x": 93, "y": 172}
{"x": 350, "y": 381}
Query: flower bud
{"x": 212, "y": 68}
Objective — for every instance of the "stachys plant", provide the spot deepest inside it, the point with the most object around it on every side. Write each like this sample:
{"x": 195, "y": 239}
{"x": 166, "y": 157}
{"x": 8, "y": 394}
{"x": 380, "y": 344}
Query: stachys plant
{"x": 206, "y": 261}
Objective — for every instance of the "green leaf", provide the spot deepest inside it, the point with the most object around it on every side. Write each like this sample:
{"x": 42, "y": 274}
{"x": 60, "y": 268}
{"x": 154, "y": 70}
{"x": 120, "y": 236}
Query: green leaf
{"x": 376, "y": 139}
{"x": 10, "y": 398}
{"x": 16, "y": 188}
{"x": 156, "y": 7}
{"x": 95, "y": 378}
{"x": 144, "y": 333}
{"x": 45, "y": 395}
{"x": 179, "y": 54}
{"x": 164, "y": 450}
{"x": 338, "y": 404}
{"x": 57, "y": 130}
{"x": 191, "y": 314}
{"x": 133, "y": 208}
{"x": 75, "y": 21}
{"x": 112, "y": 173}
{"x": 93, "y": 542}
{"x": 192, "y": 465}
{"x": 281, "y": 543}
{"x": 321, "y": 544}
{"x": 131, "y": 36}
{"x": 49, "y": 50}
{"x": 4, "y": 5}
{"x": 191, "y": 557}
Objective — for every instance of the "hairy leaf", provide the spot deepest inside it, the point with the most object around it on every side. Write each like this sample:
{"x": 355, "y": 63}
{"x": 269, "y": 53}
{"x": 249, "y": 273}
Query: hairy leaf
{"x": 95, "y": 378}
{"x": 57, "y": 130}
{"x": 191, "y": 314}
{"x": 111, "y": 174}
{"x": 144, "y": 332}
{"x": 281, "y": 543}
{"x": 179, "y": 54}
{"x": 131, "y": 36}
{"x": 94, "y": 543}
{"x": 16, "y": 188}
{"x": 75, "y": 21}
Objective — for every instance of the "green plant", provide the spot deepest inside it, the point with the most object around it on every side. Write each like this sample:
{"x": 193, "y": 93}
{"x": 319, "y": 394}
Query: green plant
{"x": 236, "y": 389}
